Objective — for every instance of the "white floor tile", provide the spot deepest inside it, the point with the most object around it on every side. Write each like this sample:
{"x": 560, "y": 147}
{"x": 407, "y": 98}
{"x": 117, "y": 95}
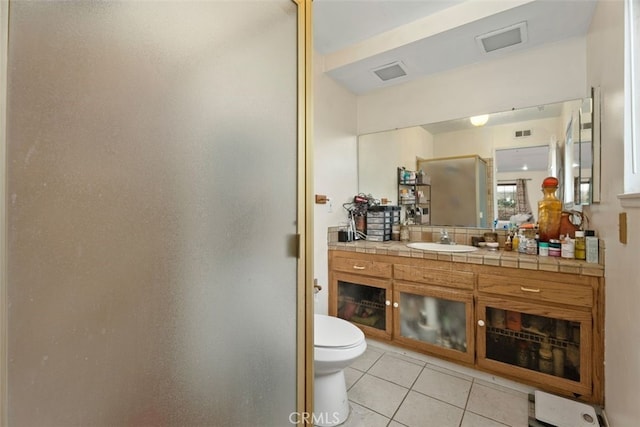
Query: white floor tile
{"x": 419, "y": 410}
{"x": 500, "y": 404}
{"x": 443, "y": 386}
{"x": 396, "y": 370}
{"x": 368, "y": 358}
{"x": 351, "y": 376}
{"x": 438, "y": 396}
{"x": 378, "y": 395}
{"x": 474, "y": 420}
{"x": 360, "y": 416}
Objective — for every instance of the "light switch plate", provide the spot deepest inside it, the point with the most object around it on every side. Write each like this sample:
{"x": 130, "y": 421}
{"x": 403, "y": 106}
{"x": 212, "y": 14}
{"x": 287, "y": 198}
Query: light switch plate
{"x": 623, "y": 227}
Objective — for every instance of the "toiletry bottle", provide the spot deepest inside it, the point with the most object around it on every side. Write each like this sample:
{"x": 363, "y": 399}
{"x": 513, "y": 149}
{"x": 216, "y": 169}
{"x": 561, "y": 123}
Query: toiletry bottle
{"x": 567, "y": 248}
{"x": 580, "y": 246}
{"x": 591, "y": 244}
{"x": 522, "y": 243}
{"x": 545, "y": 359}
{"x": 508, "y": 246}
{"x": 515, "y": 241}
{"x": 549, "y": 211}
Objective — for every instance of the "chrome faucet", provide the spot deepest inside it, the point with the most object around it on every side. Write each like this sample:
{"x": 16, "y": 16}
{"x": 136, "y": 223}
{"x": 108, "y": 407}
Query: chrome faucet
{"x": 444, "y": 237}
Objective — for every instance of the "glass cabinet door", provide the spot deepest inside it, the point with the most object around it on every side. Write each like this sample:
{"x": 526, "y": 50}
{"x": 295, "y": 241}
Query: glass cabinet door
{"x": 550, "y": 346}
{"x": 364, "y": 301}
{"x": 434, "y": 319}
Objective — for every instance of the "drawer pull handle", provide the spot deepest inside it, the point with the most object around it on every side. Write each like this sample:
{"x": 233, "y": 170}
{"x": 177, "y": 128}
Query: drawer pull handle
{"x": 535, "y": 291}
{"x": 358, "y": 267}
{"x": 396, "y": 305}
{"x": 387, "y": 302}
{"x": 480, "y": 322}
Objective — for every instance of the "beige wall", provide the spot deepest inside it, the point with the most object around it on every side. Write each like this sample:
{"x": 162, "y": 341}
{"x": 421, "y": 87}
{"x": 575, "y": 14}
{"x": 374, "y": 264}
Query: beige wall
{"x": 335, "y": 170}
{"x": 622, "y": 347}
{"x": 380, "y": 153}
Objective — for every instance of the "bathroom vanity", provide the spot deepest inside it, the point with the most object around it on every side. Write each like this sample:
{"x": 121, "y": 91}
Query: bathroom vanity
{"x": 537, "y": 320}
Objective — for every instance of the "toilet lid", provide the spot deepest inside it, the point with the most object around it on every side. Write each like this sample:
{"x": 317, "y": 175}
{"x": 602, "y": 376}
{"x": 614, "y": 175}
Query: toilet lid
{"x": 334, "y": 332}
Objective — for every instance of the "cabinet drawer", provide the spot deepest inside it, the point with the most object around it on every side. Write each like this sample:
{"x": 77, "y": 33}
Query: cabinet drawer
{"x": 370, "y": 268}
{"x": 454, "y": 279}
{"x": 537, "y": 290}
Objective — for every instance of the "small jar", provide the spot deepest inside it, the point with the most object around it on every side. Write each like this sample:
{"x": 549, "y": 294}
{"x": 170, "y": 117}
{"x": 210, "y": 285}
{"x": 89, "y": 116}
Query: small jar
{"x": 554, "y": 247}
{"x": 514, "y": 320}
{"x": 543, "y": 249}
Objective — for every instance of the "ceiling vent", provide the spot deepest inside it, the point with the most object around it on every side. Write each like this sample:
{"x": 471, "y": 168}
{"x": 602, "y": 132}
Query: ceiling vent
{"x": 390, "y": 71}
{"x": 523, "y": 133}
{"x": 505, "y": 37}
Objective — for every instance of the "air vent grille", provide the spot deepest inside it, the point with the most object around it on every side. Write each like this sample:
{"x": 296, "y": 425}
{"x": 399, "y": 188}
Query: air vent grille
{"x": 503, "y": 38}
{"x": 523, "y": 133}
{"x": 390, "y": 71}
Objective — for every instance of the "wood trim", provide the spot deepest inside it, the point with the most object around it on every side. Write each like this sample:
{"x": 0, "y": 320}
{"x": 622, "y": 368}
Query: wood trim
{"x": 304, "y": 346}
{"x": 4, "y": 48}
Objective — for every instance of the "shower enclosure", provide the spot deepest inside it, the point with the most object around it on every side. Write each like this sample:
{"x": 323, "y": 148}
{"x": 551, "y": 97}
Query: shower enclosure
{"x": 141, "y": 286}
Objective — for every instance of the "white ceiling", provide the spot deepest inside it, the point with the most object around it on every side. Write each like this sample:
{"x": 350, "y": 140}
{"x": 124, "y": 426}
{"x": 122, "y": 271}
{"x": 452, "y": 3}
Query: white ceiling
{"x": 429, "y": 36}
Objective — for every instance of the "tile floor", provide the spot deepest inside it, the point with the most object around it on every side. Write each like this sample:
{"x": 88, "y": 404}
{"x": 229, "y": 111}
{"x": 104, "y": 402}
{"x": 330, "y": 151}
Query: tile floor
{"x": 388, "y": 386}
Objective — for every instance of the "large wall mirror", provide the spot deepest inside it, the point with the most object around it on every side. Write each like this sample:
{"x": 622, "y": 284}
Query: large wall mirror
{"x": 520, "y": 147}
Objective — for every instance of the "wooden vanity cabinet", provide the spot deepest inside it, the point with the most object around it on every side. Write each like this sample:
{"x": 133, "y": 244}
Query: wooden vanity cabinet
{"x": 434, "y": 320}
{"x": 360, "y": 292}
{"x": 537, "y": 327}
{"x": 543, "y": 328}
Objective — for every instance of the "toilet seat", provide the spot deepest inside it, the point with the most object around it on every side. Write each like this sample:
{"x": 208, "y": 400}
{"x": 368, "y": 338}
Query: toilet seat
{"x": 333, "y": 332}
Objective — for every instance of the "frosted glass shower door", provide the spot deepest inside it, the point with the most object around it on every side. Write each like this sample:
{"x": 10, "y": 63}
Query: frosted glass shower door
{"x": 151, "y": 205}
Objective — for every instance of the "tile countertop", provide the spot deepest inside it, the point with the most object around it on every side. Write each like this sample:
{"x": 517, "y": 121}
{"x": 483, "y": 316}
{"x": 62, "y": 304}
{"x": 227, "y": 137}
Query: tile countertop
{"x": 498, "y": 258}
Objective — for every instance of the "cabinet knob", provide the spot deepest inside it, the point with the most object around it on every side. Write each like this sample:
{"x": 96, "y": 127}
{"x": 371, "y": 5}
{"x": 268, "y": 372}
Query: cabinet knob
{"x": 480, "y": 322}
{"x": 387, "y": 302}
{"x": 396, "y": 305}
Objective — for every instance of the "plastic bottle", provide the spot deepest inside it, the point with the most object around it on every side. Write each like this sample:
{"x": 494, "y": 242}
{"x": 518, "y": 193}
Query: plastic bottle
{"x": 545, "y": 360}
{"x": 549, "y": 211}
{"x": 591, "y": 244}
{"x": 567, "y": 248}
{"x": 508, "y": 245}
{"x": 580, "y": 248}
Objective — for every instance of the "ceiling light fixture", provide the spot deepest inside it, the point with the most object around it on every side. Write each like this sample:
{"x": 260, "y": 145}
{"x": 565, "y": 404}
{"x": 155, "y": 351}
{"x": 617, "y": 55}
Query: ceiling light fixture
{"x": 480, "y": 120}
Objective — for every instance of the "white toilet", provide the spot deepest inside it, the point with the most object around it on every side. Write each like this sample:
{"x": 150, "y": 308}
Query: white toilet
{"x": 337, "y": 343}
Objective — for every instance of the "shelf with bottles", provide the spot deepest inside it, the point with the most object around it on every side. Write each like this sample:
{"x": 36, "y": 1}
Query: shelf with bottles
{"x": 362, "y": 304}
{"x": 541, "y": 344}
{"x": 413, "y": 178}
{"x": 414, "y": 196}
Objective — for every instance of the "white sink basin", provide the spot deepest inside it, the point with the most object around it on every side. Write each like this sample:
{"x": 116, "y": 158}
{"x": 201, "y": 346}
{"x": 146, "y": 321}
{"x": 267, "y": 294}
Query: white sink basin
{"x": 438, "y": 247}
